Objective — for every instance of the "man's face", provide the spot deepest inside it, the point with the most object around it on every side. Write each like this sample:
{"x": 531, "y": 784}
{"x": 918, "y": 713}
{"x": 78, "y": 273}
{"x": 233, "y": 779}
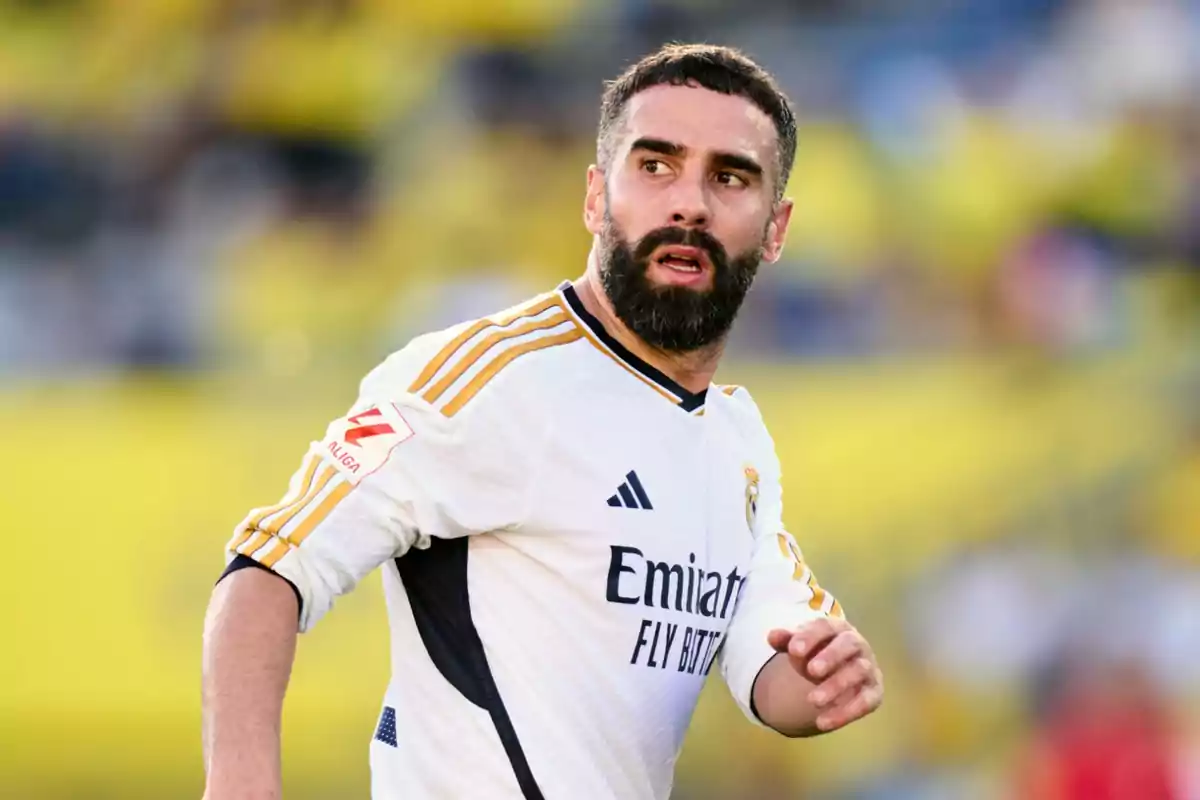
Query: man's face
{"x": 685, "y": 212}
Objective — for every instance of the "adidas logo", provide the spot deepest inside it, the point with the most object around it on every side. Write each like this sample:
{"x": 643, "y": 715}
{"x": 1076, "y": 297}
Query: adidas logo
{"x": 630, "y": 494}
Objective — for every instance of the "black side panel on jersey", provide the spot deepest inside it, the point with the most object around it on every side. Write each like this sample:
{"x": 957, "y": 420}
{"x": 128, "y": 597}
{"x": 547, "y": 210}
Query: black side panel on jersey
{"x": 435, "y": 580}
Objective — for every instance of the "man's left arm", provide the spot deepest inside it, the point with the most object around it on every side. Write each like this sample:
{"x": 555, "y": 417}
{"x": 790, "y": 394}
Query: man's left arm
{"x": 822, "y": 677}
{"x": 790, "y": 658}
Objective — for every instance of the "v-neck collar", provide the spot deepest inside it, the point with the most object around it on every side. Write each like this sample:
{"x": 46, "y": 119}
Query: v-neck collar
{"x": 606, "y": 342}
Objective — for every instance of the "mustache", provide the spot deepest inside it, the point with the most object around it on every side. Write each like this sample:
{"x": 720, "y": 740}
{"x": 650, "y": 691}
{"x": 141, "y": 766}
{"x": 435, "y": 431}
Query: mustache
{"x": 687, "y": 237}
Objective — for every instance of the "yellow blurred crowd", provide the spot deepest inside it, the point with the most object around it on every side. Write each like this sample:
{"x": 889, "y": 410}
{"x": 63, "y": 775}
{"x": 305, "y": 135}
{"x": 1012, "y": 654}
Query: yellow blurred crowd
{"x": 443, "y": 192}
{"x": 123, "y": 493}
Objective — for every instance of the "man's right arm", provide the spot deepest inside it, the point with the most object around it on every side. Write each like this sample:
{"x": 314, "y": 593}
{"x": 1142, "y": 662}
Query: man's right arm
{"x": 247, "y": 662}
{"x": 388, "y": 476}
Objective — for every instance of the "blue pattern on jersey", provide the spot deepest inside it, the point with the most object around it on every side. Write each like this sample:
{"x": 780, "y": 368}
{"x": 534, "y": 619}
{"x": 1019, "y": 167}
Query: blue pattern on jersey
{"x": 386, "y": 732}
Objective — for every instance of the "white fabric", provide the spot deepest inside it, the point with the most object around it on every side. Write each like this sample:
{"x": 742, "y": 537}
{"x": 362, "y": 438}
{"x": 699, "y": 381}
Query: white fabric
{"x": 599, "y": 621}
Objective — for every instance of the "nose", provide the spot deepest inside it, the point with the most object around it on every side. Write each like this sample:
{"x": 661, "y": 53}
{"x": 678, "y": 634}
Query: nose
{"x": 689, "y": 205}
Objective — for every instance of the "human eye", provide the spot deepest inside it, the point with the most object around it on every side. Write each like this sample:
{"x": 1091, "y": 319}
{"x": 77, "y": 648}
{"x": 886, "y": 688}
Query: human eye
{"x": 654, "y": 166}
{"x": 727, "y": 178}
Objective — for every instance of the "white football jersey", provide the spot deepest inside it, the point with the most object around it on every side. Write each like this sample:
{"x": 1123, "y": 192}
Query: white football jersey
{"x": 570, "y": 540}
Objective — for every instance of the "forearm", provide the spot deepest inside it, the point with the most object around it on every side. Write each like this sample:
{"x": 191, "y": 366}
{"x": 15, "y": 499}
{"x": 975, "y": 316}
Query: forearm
{"x": 781, "y": 699}
{"x": 249, "y": 645}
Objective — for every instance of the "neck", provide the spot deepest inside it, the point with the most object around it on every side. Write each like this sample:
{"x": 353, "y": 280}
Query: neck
{"x": 693, "y": 371}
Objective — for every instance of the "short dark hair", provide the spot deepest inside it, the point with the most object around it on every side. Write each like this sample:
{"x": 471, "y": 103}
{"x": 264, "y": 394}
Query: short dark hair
{"x": 719, "y": 69}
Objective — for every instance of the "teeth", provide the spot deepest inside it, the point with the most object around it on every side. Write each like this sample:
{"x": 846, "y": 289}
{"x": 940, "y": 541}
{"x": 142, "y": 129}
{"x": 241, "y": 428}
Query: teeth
{"x": 680, "y": 267}
{"x": 680, "y": 264}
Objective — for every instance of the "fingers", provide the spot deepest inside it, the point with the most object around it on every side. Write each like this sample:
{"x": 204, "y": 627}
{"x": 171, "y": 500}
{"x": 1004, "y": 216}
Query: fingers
{"x": 850, "y": 693}
{"x": 845, "y": 647}
{"x": 808, "y": 638}
{"x": 850, "y": 707}
{"x": 834, "y": 656}
{"x": 779, "y": 639}
{"x": 830, "y": 716}
{"x": 851, "y": 677}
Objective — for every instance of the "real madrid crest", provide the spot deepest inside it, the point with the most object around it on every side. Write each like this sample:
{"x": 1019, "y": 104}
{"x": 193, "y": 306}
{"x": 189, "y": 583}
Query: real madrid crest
{"x": 751, "y": 496}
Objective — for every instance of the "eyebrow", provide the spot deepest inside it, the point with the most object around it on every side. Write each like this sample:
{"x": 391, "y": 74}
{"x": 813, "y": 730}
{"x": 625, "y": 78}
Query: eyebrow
{"x": 734, "y": 161}
{"x": 720, "y": 159}
{"x": 658, "y": 146}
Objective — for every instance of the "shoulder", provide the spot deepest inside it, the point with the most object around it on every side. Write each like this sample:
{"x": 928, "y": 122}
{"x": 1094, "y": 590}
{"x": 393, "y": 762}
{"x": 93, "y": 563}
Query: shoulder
{"x": 742, "y": 409}
{"x": 444, "y": 395}
{"x": 451, "y": 369}
{"x": 747, "y": 419}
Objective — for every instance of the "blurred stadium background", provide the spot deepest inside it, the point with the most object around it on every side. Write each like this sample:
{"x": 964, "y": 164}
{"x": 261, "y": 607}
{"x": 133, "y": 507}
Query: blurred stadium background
{"x": 980, "y": 357}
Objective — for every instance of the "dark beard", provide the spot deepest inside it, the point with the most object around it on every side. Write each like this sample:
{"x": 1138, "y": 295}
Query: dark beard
{"x": 674, "y": 319}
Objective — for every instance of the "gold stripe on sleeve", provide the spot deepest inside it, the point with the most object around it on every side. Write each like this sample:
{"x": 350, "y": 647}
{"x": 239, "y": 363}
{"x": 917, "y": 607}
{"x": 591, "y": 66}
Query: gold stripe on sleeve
{"x": 277, "y": 524}
{"x": 280, "y": 549}
{"x": 792, "y": 555}
{"x": 318, "y": 515}
{"x": 783, "y": 546}
{"x": 503, "y": 360}
{"x": 294, "y": 495}
{"x": 480, "y": 350}
{"x": 293, "y": 540}
{"x": 273, "y": 527}
{"x": 818, "y": 598}
{"x": 455, "y": 344}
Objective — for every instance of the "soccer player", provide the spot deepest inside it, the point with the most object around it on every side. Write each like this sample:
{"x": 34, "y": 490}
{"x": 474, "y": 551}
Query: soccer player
{"x": 573, "y": 522}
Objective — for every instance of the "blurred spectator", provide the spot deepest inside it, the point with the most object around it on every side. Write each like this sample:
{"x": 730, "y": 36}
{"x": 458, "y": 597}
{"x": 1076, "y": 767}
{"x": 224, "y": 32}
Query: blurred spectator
{"x": 983, "y": 169}
{"x": 1105, "y": 735}
{"x": 996, "y": 201}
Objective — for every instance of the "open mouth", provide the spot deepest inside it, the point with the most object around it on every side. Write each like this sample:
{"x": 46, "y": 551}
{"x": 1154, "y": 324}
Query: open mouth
{"x": 683, "y": 259}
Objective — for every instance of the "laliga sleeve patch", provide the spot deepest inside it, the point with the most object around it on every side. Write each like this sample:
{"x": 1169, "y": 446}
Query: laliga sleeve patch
{"x": 361, "y": 443}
